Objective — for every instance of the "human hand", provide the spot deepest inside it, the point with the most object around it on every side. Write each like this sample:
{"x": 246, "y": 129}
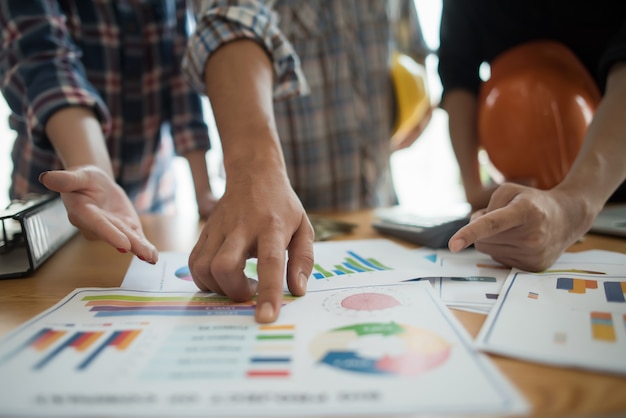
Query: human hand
{"x": 256, "y": 217}
{"x": 100, "y": 209}
{"x": 525, "y": 227}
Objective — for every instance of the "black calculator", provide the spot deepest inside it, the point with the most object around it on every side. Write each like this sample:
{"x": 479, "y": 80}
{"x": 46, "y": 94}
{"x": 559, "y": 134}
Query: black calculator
{"x": 429, "y": 230}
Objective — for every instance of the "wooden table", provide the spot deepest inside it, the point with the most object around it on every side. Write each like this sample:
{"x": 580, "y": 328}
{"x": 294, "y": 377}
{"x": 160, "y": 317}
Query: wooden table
{"x": 81, "y": 263}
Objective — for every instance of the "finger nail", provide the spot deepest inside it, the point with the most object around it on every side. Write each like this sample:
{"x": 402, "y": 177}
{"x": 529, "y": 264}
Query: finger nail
{"x": 145, "y": 259}
{"x": 266, "y": 312}
{"x": 41, "y": 176}
{"x": 304, "y": 280}
{"x": 457, "y": 245}
{"x": 122, "y": 250}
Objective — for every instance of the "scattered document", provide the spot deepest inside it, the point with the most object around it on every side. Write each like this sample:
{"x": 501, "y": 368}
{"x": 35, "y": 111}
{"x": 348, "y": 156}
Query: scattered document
{"x": 573, "y": 314}
{"x": 468, "y": 280}
{"x": 385, "y": 350}
{"x": 338, "y": 264}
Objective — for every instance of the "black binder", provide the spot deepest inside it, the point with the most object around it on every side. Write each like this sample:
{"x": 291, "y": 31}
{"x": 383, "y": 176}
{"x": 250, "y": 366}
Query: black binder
{"x": 32, "y": 230}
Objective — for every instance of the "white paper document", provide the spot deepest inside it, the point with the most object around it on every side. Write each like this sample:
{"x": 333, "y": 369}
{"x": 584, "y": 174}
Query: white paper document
{"x": 337, "y": 264}
{"x": 468, "y": 280}
{"x": 391, "y": 349}
{"x": 573, "y": 314}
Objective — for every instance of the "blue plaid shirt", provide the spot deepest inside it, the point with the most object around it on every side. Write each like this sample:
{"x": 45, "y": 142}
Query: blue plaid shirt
{"x": 120, "y": 58}
{"x": 336, "y": 138}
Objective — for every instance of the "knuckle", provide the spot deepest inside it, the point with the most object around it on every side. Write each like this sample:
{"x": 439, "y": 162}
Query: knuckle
{"x": 492, "y": 225}
{"x": 270, "y": 259}
{"x": 222, "y": 265}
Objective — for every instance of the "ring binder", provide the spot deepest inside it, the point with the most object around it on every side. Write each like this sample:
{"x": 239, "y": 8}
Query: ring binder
{"x": 32, "y": 230}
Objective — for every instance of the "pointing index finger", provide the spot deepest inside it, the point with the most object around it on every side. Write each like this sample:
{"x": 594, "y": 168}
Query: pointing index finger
{"x": 271, "y": 271}
{"x": 485, "y": 226}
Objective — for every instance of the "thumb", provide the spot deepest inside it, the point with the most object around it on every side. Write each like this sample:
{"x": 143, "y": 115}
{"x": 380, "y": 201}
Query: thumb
{"x": 63, "y": 181}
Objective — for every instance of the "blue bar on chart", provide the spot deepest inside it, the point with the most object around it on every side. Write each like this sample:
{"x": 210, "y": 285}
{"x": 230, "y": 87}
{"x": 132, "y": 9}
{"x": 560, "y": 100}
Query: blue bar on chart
{"x": 353, "y": 263}
{"x": 615, "y": 291}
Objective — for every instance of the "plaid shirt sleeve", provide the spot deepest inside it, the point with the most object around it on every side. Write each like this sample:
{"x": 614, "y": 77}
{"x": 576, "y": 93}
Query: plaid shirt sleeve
{"x": 189, "y": 129}
{"x": 222, "y": 21}
{"x": 40, "y": 68}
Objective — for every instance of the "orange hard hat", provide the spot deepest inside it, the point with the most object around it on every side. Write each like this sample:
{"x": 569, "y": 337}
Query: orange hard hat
{"x": 534, "y": 111}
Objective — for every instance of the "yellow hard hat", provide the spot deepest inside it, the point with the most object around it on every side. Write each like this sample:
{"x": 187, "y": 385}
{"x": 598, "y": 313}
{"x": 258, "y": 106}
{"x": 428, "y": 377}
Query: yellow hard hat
{"x": 413, "y": 108}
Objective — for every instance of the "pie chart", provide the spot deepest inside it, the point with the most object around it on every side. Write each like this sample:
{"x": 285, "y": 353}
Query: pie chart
{"x": 380, "y": 348}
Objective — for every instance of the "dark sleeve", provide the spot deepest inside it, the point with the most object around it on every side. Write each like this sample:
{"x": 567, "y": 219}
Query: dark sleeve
{"x": 459, "y": 47}
{"x": 40, "y": 66}
{"x": 615, "y": 52}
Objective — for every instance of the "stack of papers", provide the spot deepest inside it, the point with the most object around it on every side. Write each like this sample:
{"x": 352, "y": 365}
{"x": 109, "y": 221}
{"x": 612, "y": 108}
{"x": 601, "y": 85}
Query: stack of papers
{"x": 468, "y": 280}
{"x": 358, "y": 343}
{"x": 373, "y": 335}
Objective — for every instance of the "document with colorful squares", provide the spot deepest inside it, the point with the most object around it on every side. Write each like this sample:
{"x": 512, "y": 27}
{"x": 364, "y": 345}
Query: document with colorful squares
{"x": 573, "y": 314}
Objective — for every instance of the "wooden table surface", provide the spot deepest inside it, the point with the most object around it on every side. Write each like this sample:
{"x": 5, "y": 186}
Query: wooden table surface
{"x": 551, "y": 391}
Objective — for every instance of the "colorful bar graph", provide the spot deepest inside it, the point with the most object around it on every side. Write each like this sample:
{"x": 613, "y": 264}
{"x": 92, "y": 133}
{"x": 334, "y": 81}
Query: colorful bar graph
{"x": 79, "y": 341}
{"x": 41, "y": 341}
{"x": 125, "y": 305}
{"x": 352, "y": 263}
{"x": 574, "y": 285}
{"x": 83, "y": 342}
{"x": 45, "y": 339}
{"x": 121, "y": 340}
{"x": 271, "y": 357}
{"x": 602, "y": 326}
{"x": 614, "y": 291}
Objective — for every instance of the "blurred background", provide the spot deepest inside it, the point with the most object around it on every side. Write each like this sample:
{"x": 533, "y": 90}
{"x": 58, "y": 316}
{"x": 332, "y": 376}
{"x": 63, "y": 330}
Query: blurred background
{"x": 426, "y": 175}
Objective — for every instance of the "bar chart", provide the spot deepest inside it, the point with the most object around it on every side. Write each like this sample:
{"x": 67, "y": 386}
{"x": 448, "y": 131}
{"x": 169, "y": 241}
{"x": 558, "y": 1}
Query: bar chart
{"x": 79, "y": 349}
{"x": 351, "y": 263}
{"x": 115, "y": 305}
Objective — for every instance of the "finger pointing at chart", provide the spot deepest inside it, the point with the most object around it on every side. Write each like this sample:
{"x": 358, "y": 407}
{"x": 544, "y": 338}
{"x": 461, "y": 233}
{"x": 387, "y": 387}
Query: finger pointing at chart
{"x": 522, "y": 227}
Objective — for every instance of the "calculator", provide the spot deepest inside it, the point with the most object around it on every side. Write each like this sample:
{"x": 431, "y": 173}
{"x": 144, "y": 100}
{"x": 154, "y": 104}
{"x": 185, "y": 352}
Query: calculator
{"x": 425, "y": 229}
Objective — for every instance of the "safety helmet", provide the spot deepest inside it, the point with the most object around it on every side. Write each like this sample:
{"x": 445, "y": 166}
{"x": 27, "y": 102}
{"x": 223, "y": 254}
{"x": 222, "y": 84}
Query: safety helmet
{"x": 412, "y": 101}
{"x": 534, "y": 111}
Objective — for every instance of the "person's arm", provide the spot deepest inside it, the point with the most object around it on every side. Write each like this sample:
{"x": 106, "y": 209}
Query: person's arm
{"x": 462, "y": 108}
{"x": 44, "y": 83}
{"x": 205, "y": 197}
{"x": 188, "y": 126}
{"x": 460, "y": 56}
{"x": 243, "y": 62}
{"x": 259, "y": 214}
{"x": 529, "y": 228}
{"x": 95, "y": 203}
